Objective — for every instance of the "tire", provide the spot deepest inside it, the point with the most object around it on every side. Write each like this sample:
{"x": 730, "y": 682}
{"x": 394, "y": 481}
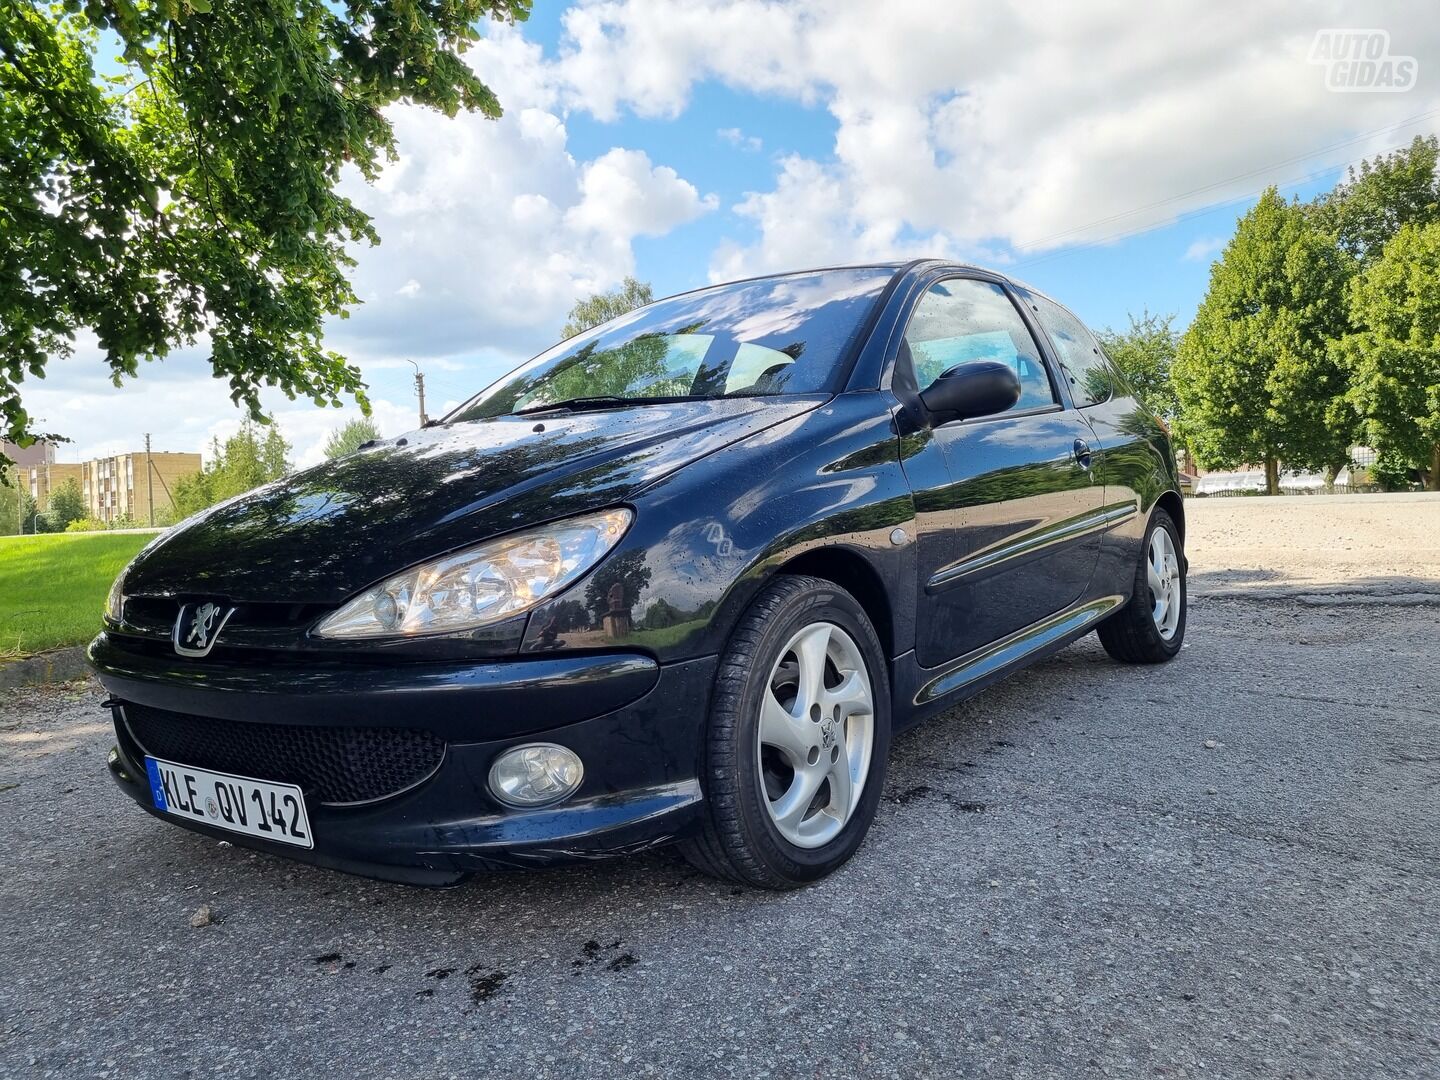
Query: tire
{"x": 760, "y": 827}
{"x": 1136, "y": 634}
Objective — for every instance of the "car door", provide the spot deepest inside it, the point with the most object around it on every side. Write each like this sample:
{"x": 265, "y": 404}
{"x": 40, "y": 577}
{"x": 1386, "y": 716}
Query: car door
{"x": 1131, "y": 463}
{"x": 1010, "y": 532}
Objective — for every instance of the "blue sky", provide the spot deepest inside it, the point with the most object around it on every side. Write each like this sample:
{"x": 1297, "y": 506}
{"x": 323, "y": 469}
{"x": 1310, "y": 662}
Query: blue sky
{"x": 699, "y": 140}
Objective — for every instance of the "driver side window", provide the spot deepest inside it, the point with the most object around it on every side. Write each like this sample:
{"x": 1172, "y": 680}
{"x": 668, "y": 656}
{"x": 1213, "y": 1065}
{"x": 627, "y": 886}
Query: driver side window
{"x": 962, "y": 319}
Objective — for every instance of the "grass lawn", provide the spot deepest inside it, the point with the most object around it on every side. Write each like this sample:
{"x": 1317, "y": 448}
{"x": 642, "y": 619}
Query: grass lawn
{"x": 52, "y": 588}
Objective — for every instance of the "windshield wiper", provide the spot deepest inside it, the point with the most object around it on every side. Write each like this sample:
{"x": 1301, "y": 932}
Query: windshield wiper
{"x": 603, "y": 401}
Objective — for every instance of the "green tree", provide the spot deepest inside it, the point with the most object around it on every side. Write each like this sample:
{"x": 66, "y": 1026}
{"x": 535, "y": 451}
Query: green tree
{"x": 243, "y": 463}
{"x": 1393, "y": 471}
{"x": 1381, "y": 196}
{"x": 602, "y": 307}
{"x": 67, "y": 504}
{"x": 9, "y": 500}
{"x": 1144, "y": 354}
{"x": 193, "y": 195}
{"x": 348, "y": 439}
{"x": 29, "y": 523}
{"x": 274, "y": 457}
{"x": 1394, "y": 354}
{"x": 1254, "y": 374}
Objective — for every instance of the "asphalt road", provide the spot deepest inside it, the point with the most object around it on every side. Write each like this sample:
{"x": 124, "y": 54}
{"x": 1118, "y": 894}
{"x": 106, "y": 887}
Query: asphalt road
{"x": 1226, "y": 867}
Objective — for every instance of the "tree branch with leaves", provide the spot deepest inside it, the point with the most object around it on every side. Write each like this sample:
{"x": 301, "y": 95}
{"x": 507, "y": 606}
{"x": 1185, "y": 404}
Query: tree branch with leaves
{"x": 191, "y": 198}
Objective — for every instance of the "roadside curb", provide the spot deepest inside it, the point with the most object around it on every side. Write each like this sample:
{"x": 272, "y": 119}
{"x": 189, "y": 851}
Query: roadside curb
{"x": 60, "y": 665}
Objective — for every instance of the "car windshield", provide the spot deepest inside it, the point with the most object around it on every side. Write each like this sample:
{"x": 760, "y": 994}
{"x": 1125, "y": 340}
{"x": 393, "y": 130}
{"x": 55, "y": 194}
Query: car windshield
{"x": 778, "y": 335}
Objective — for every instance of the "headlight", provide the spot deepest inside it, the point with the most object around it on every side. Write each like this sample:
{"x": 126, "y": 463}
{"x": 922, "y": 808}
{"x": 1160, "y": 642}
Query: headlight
{"x": 480, "y": 586}
{"x": 115, "y": 599}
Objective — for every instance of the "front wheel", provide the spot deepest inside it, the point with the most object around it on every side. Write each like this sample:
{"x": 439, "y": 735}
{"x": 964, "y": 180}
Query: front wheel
{"x": 1151, "y": 628}
{"x": 798, "y": 736}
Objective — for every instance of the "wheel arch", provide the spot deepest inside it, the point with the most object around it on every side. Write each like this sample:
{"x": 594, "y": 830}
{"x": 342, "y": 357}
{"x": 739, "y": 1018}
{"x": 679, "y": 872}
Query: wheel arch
{"x": 1174, "y": 505}
{"x": 853, "y": 573}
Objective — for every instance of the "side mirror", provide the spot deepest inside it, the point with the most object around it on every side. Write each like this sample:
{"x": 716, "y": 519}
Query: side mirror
{"x": 978, "y": 388}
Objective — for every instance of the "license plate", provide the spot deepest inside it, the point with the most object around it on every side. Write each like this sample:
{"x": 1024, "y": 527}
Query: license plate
{"x": 237, "y": 803}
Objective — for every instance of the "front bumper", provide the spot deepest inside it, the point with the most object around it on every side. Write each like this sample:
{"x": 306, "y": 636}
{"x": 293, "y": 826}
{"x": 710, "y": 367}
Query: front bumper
{"x": 636, "y": 724}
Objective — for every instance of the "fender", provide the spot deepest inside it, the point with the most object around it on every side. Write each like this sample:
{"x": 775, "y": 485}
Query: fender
{"x": 826, "y": 485}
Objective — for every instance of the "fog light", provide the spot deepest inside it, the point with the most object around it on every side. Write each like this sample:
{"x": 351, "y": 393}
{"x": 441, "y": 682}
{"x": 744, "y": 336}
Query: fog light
{"x": 535, "y": 775}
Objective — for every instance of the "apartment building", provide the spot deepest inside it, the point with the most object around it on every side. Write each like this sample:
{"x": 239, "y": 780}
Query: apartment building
{"x": 37, "y": 453}
{"x": 46, "y": 477}
{"x": 125, "y": 485}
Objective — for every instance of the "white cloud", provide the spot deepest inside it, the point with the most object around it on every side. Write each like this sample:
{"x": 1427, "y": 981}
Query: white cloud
{"x": 735, "y": 137}
{"x": 623, "y": 196}
{"x": 492, "y": 229}
{"x": 308, "y": 429}
{"x": 1201, "y": 249}
{"x": 647, "y": 54}
{"x": 1034, "y": 127}
{"x": 809, "y": 220}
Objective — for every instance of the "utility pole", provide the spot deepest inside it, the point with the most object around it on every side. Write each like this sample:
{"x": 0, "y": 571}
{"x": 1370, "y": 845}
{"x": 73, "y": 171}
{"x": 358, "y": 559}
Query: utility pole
{"x": 149, "y": 480}
{"x": 420, "y": 390}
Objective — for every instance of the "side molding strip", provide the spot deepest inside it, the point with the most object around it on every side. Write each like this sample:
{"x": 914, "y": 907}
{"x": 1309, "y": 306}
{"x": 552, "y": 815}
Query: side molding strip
{"x": 1060, "y": 531}
{"x": 1011, "y": 650}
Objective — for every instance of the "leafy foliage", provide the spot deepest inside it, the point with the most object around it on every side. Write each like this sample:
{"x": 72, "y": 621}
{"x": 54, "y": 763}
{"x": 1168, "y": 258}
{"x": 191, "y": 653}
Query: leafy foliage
{"x": 1144, "y": 355}
{"x": 348, "y": 439}
{"x": 602, "y": 307}
{"x": 1394, "y": 355}
{"x": 1381, "y": 197}
{"x": 29, "y": 522}
{"x": 1393, "y": 471}
{"x": 164, "y": 516}
{"x": 246, "y": 461}
{"x": 1254, "y": 375}
{"x": 9, "y": 500}
{"x": 192, "y": 198}
{"x": 67, "y": 504}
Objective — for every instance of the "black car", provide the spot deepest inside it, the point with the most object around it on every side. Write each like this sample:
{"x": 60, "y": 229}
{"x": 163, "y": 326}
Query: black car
{"x": 678, "y": 579}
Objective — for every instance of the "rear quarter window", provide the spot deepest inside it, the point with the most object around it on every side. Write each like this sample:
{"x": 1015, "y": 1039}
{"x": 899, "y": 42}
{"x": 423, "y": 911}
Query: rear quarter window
{"x": 1085, "y": 367}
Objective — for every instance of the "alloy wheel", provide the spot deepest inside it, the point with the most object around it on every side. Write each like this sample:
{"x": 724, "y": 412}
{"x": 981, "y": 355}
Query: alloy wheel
{"x": 816, "y": 734}
{"x": 1162, "y": 572}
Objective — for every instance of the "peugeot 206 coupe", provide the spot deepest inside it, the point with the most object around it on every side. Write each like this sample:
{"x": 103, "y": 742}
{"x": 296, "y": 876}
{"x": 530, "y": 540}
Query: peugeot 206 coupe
{"x": 678, "y": 579}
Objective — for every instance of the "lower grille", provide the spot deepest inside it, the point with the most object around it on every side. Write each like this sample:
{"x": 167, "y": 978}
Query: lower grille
{"x": 332, "y": 764}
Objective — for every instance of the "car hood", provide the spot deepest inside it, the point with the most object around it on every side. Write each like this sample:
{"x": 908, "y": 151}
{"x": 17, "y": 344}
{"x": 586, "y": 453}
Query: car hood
{"x": 323, "y": 534}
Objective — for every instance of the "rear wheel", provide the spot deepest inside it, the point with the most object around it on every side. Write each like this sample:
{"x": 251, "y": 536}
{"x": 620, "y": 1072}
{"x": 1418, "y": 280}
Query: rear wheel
{"x": 1150, "y": 628}
{"x": 797, "y": 739}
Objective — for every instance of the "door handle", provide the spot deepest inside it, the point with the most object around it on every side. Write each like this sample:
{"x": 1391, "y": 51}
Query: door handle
{"x": 1082, "y": 453}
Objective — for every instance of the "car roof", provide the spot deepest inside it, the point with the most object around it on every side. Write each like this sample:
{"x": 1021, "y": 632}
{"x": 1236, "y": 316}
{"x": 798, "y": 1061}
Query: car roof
{"x": 882, "y": 264}
{"x": 898, "y": 266}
